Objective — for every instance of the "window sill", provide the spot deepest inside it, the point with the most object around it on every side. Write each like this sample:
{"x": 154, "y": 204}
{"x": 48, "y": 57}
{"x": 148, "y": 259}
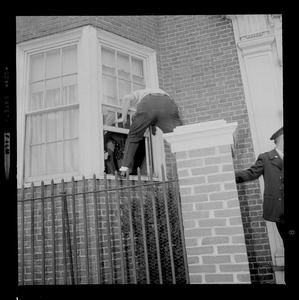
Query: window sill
{"x": 132, "y": 178}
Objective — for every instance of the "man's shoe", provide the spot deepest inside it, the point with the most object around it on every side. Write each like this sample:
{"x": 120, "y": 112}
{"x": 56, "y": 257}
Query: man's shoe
{"x": 123, "y": 171}
{"x": 122, "y": 174}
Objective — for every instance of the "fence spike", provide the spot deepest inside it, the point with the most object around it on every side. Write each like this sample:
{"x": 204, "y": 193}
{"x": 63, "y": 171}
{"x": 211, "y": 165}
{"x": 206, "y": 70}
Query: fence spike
{"x": 163, "y": 172}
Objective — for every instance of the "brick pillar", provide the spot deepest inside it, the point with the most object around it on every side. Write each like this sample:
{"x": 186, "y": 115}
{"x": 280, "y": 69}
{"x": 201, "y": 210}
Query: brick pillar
{"x": 213, "y": 228}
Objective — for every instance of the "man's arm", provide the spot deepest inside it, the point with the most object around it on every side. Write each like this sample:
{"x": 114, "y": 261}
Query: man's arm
{"x": 254, "y": 172}
{"x": 125, "y": 107}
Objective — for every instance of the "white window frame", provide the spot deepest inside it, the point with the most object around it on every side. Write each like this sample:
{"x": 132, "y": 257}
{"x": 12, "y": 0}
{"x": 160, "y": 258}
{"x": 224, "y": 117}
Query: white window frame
{"x": 88, "y": 40}
{"x": 148, "y": 55}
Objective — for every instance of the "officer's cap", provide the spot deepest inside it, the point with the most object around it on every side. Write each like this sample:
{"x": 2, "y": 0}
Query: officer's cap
{"x": 277, "y": 134}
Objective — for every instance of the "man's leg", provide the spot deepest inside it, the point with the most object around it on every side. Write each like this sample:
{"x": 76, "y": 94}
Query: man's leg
{"x": 170, "y": 119}
{"x": 140, "y": 122}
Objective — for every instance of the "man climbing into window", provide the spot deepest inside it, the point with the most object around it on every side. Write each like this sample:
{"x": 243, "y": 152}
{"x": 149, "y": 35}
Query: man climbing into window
{"x": 154, "y": 108}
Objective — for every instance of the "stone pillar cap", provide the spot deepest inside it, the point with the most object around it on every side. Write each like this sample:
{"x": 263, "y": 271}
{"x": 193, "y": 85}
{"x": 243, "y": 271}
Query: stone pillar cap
{"x": 201, "y": 135}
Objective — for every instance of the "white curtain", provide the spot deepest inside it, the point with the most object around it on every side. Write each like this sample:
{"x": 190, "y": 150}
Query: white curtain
{"x": 53, "y": 142}
{"x": 52, "y": 136}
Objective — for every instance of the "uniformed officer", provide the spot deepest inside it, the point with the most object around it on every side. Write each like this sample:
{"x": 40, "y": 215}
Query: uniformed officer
{"x": 270, "y": 165}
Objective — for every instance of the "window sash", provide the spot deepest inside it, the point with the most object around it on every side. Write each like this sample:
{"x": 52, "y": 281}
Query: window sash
{"x": 58, "y": 129}
{"x": 53, "y": 96}
{"x": 125, "y": 73}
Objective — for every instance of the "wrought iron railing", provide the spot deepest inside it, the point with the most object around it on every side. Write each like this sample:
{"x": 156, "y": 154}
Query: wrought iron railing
{"x": 101, "y": 231}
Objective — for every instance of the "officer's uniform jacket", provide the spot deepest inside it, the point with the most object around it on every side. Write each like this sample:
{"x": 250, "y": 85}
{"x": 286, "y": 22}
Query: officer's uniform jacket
{"x": 270, "y": 165}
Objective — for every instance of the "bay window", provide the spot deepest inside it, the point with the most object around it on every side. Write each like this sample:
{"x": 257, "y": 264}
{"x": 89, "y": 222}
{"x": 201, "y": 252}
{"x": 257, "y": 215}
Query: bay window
{"x": 70, "y": 88}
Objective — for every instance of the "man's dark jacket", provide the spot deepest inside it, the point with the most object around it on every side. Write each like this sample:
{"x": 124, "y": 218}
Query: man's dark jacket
{"x": 270, "y": 165}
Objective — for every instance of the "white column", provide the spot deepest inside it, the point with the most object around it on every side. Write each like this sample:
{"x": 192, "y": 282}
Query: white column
{"x": 90, "y": 158}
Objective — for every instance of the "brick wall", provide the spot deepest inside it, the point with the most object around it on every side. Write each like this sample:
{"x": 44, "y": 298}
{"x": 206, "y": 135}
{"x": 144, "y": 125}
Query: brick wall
{"x": 141, "y": 29}
{"x": 200, "y": 69}
{"x": 198, "y": 66}
{"x": 212, "y": 219}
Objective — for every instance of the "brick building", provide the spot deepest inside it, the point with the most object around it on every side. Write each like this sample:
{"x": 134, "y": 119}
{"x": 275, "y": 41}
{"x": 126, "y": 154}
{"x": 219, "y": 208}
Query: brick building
{"x": 72, "y": 72}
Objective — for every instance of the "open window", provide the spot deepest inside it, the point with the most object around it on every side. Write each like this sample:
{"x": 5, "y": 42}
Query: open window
{"x": 123, "y": 71}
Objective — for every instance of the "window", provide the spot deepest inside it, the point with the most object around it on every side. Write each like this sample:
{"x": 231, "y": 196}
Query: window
{"x": 52, "y": 118}
{"x": 121, "y": 74}
{"x": 125, "y": 66}
{"x": 69, "y": 93}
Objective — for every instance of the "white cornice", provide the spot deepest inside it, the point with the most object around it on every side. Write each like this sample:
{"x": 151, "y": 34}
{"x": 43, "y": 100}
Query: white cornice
{"x": 201, "y": 135}
{"x": 256, "y": 45}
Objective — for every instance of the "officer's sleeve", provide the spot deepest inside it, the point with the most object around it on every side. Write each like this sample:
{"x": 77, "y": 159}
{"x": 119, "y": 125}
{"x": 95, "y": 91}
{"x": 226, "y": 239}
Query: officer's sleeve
{"x": 254, "y": 172}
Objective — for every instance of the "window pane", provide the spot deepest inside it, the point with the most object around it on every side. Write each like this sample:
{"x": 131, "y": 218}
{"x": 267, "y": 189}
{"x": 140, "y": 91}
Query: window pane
{"x": 54, "y": 161}
{"x": 124, "y": 75}
{"x": 138, "y": 80}
{"x": 137, "y": 86}
{"x": 109, "y": 90}
{"x": 71, "y": 155}
{"x": 70, "y": 90}
{"x": 35, "y": 128}
{"x": 123, "y": 62}
{"x": 37, "y": 67}
{"x": 69, "y": 60}
{"x": 137, "y": 67}
{"x": 54, "y": 126}
{"x": 53, "y": 63}
{"x": 52, "y": 92}
{"x": 109, "y": 71}
{"x": 108, "y": 117}
{"x": 108, "y": 58}
{"x": 124, "y": 88}
{"x": 37, "y": 160}
{"x": 70, "y": 123}
{"x": 36, "y": 95}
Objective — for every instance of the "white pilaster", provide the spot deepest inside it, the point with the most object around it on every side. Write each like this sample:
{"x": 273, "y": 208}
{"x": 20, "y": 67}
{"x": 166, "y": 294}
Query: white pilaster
{"x": 259, "y": 45}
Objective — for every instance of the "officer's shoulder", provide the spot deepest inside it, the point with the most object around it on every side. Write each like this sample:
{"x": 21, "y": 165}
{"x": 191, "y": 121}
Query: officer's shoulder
{"x": 263, "y": 155}
{"x": 268, "y": 154}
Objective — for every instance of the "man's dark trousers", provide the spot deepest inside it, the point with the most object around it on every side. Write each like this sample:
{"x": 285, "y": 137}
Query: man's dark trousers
{"x": 152, "y": 110}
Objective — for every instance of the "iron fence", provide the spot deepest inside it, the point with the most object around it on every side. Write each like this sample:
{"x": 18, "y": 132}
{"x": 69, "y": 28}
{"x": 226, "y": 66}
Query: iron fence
{"x": 102, "y": 231}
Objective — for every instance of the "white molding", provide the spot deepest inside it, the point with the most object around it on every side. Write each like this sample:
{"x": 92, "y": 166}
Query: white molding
{"x": 201, "y": 135}
{"x": 250, "y": 26}
{"x": 90, "y": 156}
{"x": 257, "y": 45}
